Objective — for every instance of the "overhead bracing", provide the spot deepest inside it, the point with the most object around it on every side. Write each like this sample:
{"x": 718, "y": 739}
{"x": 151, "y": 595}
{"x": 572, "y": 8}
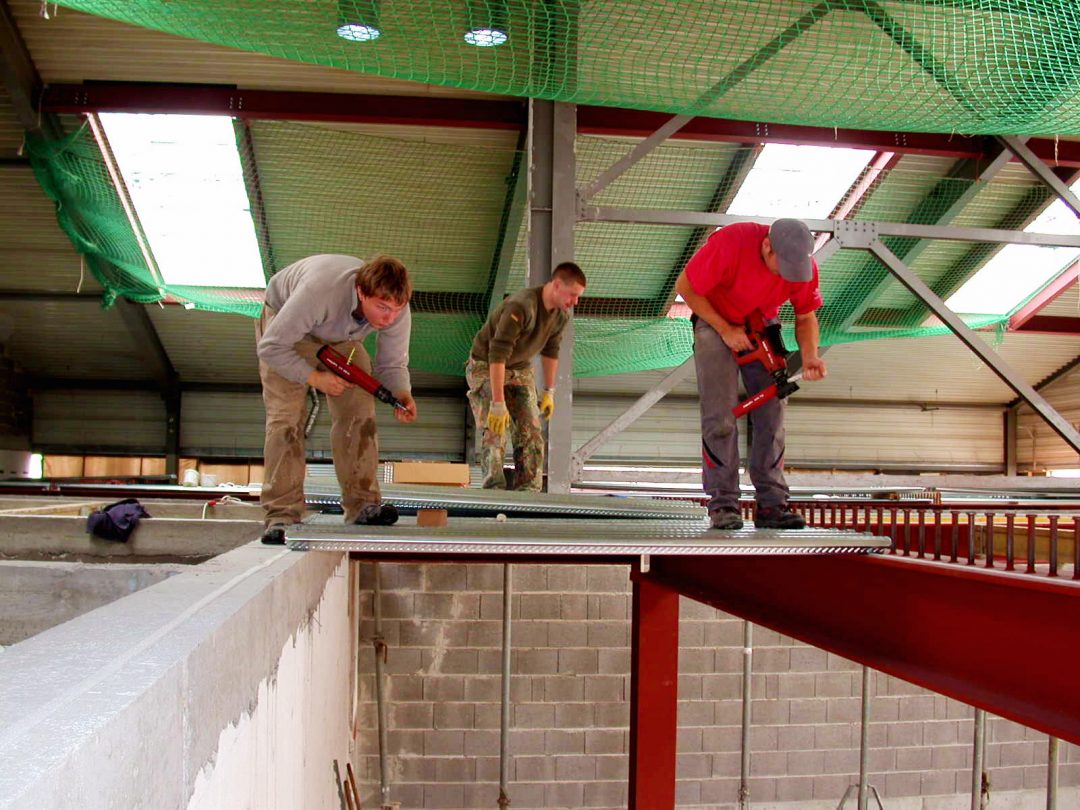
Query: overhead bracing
{"x": 911, "y": 238}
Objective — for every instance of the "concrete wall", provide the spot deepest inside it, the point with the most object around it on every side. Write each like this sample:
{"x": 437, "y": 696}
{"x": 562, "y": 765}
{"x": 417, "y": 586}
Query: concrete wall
{"x": 570, "y": 687}
{"x": 35, "y": 596}
{"x": 229, "y": 685}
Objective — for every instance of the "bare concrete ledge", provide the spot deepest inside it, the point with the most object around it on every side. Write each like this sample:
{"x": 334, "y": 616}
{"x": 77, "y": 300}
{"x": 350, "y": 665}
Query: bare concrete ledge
{"x": 36, "y": 537}
{"x": 35, "y": 596}
{"x": 128, "y": 705}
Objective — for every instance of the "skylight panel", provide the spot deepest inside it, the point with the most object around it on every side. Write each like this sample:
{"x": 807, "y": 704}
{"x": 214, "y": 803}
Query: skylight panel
{"x": 185, "y": 181}
{"x": 805, "y": 182}
{"x": 1018, "y": 271}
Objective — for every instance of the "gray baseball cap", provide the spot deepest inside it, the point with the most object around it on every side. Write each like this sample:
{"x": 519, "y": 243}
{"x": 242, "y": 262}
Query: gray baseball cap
{"x": 794, "y": 247}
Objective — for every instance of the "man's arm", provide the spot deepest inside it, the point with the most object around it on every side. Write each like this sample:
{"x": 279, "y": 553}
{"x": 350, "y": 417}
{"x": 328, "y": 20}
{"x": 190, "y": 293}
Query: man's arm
{"x": 550, "y": 366}
{"x": 733, "y": 336}
{"x": 807, "y": 334}
{"x": 497, "y": 374}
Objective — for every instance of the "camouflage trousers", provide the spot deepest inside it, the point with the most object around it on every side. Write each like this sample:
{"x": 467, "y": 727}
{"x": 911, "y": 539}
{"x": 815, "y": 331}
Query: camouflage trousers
{"x": 519, "y": 391}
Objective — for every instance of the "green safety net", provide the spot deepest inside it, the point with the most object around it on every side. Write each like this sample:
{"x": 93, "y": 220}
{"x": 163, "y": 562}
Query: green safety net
{"x": 965, "y": 66}
{"x": 452, "y": 212}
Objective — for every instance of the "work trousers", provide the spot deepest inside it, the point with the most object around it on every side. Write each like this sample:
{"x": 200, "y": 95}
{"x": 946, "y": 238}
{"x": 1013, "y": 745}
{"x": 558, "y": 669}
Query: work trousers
{"x": 718, "y": 389}
{"x": 526, "y": 435}
{"x": 353, "y": 440}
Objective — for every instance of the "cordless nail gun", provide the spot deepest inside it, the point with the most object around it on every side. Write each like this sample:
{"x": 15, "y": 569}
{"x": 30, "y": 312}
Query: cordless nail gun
{"x": 340, "y": 365}
{"x": 767, "y": 348}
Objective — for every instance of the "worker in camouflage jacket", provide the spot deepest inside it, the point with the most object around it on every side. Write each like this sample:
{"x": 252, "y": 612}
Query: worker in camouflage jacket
{"x": 502, "y": 389}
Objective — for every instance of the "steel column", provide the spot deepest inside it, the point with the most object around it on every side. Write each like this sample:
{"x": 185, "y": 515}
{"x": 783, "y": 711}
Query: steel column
{"x": 747, "y": 702}
{"x": 552, "y": 217}
{"x": 504, "y": 709}
{"x": 875, "y": 610}
{"x": 654, "y": 687}
{"x": 978, "y": 757}
{"x": 968, "y": 336}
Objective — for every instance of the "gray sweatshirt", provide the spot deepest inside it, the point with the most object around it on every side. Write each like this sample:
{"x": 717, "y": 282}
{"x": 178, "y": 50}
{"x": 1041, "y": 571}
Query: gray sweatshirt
{"x": 316, "y": 298}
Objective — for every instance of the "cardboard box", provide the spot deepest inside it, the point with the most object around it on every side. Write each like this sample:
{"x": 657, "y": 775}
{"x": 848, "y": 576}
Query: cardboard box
{"x": 441, "y": 473}
{"x": 63, "y": 467}
{"x": 431, "y": 518}
{"x": 112, "y": 466}
{"x": 225, "y": 473}
{"x": 153, "y": 465}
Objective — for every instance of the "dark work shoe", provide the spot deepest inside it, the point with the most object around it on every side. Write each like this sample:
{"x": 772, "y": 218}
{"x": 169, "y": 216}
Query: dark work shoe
{"x": 727, "y": 519}
{"x": 274, "y": 535}
{"x": 377, "y": 514}
{"x": 778, "y": 517}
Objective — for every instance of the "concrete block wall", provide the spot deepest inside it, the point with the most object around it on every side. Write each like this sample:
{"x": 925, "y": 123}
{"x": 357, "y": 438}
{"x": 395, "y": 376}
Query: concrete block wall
{"x": 570, "y": 692}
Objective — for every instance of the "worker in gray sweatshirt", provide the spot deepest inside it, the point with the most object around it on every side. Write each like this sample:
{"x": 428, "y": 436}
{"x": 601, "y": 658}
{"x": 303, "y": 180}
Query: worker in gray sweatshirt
{"x": 338, "y": 301}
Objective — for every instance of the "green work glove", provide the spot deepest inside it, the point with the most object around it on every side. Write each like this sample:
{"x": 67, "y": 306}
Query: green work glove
{"x": 498, "y": 418}
{"x": 547, "y": 403}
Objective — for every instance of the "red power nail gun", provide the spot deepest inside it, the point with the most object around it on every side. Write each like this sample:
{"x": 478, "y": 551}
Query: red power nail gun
{"x": 340, "y": 365}
{"x": 766, "y": 347}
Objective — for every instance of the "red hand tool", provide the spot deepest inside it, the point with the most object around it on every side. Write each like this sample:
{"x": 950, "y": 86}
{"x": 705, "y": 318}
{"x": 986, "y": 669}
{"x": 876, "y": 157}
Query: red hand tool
{"x": 340, "y": 365}
{"x": 767, "y": 348}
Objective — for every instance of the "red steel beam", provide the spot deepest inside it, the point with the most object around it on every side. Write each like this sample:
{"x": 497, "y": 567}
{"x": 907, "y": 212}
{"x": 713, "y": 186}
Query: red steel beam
{"x": 1051, "y": 324}
{"x": 1052, "y": 290}
{"x": 1007, "y": 643}
{"x": 654, "y": 687}
{"x": 500, "y": 113}
{"x": 271, "y": 105}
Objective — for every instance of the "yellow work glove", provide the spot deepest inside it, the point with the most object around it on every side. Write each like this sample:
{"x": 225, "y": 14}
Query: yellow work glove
{"x": 547, "y": 403}
{"x": 498, "y": 418}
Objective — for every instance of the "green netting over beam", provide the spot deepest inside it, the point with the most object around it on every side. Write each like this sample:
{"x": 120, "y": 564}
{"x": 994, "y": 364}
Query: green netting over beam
{"x": 442, "y": 205}
{"x": 972, "y": 66}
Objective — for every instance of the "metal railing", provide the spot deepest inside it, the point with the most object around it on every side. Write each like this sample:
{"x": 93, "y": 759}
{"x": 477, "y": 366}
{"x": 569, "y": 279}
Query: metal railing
{"x": 1042, "y": 540}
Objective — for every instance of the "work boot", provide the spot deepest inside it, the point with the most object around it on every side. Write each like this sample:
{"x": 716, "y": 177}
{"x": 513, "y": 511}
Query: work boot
{"x": 726, "y": 519}
{"x": 778, "y": 517}
{"x": 274, "y": 535}
{"x": 377, "y": 514}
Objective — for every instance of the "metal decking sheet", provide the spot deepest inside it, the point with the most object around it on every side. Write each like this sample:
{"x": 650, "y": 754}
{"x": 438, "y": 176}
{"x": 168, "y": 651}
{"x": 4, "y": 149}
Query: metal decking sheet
{"x": 570, "y": 538}
{"x": 487, "y": 502}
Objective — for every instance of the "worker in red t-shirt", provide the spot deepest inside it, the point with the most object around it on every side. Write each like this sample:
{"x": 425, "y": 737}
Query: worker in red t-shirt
{"x": 742, "y": 268}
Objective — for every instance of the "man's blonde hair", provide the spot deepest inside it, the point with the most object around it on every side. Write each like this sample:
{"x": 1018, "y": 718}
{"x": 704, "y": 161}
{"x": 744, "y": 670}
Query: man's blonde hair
{"x": 385, "y": 277}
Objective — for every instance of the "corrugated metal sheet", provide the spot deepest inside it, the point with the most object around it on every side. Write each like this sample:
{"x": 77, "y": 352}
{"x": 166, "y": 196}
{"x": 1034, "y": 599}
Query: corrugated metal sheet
{"x": 72, "y": 47}
{"x": 1037, "y": 445}
{"x": 949, "y": 436}
{"x": 1066, "y": 305}
{"x": 72, "y": 340}
{"x": 232, "y": 425}
{"x": 36, "y": 253}
{"x": 207, "y": 346}
{"x": 11, "y": 130}
{"x": 936, "y": 368}
{"x": 125, "y": 422}
{"x": 668, "y": 433}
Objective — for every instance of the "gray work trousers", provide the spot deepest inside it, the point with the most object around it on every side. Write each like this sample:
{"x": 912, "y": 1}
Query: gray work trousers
{"x": 718, "y": 390}
{"x": 352, "y": 436}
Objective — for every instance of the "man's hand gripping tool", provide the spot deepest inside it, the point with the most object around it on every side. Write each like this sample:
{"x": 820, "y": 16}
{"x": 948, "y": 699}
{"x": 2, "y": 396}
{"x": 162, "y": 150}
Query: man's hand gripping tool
{"x": 340, "y": 365}
{"x": 767, "y": 348}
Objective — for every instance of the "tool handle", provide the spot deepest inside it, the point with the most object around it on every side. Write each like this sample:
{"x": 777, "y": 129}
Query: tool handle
{"x": 340, "y": 365}
{"x": 755, "y": 401}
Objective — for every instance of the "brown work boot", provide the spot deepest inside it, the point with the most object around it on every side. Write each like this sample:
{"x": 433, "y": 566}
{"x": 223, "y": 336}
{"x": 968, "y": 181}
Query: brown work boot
{"x": 778, "y": 517}
{"x": 726, "y": 519}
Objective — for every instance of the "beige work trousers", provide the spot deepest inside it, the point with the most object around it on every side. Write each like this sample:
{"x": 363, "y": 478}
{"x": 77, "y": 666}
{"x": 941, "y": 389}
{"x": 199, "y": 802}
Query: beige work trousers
{"x": 353, "y": 440}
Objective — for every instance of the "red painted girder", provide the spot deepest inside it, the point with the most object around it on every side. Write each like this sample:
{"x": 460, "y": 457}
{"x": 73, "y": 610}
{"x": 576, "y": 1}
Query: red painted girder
{"x": 1006, "y": 643}
{"x": 499, "y": 113}
{"x": 654, "y": 693}
{"x": 1064, "y": 281}
{"x": 1051, "y": 324}
{"x": 269, "y": 105}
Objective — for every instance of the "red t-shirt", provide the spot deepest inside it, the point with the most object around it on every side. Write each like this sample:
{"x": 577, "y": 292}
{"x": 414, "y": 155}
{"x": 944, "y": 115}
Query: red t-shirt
{"x": 728, "y": 270}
